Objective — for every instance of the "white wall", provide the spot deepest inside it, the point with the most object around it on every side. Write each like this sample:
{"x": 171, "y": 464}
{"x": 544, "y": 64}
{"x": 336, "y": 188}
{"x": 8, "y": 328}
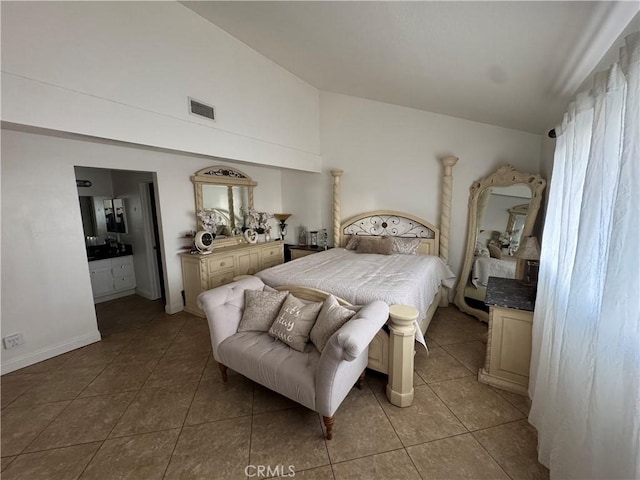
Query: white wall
{"x": 46, "y": 291}
{"x": 124, "y": 70}
{"x": 390, "y": 157}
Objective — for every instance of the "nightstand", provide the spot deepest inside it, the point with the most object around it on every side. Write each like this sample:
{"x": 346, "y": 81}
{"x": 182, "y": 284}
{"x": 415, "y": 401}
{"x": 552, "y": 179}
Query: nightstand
{"x": 299, "y": 251}
{"x": 509, "y": 338}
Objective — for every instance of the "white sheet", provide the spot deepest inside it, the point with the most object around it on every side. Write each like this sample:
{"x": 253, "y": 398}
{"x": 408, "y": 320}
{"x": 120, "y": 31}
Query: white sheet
{"x": 361, "y": 278}
{"x": 484, "y": 267}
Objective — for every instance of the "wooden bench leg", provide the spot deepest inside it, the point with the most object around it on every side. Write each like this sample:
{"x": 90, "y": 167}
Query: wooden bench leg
{"x": 360, "y": 383}
{"x": 328, "y": 423}
{"x": 223, "y": 371}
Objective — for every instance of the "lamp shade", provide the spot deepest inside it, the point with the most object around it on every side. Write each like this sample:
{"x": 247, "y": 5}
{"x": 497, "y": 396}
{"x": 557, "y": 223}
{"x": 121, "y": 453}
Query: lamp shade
{"x": 529, "y": 249}
{"x": 282, "y": 217}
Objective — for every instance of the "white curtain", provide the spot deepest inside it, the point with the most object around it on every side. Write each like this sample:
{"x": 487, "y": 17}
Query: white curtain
{"x": 585, "y": 366}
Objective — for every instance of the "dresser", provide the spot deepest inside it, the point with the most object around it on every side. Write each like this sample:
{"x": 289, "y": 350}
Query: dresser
{"x": 509, "y": 337}
{"x": 204, "y": 272}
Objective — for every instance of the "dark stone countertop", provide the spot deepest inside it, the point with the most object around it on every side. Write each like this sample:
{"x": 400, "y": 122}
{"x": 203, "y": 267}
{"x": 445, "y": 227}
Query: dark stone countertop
{"x": 510, "y": 293}
{"x": 102, "y": 252}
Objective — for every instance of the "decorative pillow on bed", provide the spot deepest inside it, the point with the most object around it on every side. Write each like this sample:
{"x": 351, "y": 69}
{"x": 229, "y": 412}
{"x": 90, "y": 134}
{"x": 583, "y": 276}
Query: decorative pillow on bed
{"x": 260, "y": 309}
{"x": 405, "y": 246}
{"x": 380, "y": 245}
{"x": 481, "y": 250}
{"x": 295, "y": 321}
{"x": 495, "y": 252}
{"x": 331, "y": 318}
{"x": 352, "y": 244}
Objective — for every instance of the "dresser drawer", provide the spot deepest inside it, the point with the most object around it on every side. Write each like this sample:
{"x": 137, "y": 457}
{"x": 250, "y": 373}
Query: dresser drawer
{"x": 221, "y": 279}
{"x": 121, "y": 268}
{"x": 271, "y": 253}
{"x": 124, "y": 282}
{"x": 221, "y": 263}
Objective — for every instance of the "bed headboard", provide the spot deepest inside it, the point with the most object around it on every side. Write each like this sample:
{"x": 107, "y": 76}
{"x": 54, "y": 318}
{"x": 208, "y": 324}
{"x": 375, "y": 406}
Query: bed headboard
{"x": 393, "y": 224}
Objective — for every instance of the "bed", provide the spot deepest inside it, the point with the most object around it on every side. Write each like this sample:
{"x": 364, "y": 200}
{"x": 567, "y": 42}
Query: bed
{"x": 359, "y": 278}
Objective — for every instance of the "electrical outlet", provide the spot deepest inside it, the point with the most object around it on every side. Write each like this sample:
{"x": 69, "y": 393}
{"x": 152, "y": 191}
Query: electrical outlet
{"x": 11, "y": 341}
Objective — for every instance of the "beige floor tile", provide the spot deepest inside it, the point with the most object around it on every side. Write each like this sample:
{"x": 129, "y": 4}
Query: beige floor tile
{"x": 84, "y": 420}
{"x": 377, "y": 381}
{"x": 59, "y": 385}
{"x": 439, "y": 365}
{"x": 395, "y": 465}
{"x": 470, "y": 354}
{"x": 155, "y": 409}
{"x": 299, "y": 442}
{"x": 215, "y": 400}
{"x": 6, "y": 461}
{"x": 361, "y": 428}
{"x": 514, "y": 447}
{"x": 184, "y": 344}
{"x": 521, "y": 402}
{"x": 426, "y": 420}
{"x": 12, "y": 386}
{"x": 453, "y": 458}
{"x": 61, "y": 463}
{"x": 318, "y": 473}
{"x": 20, "y": 425}
{"x": 177, "y": 370}
{"x": 446, "y": 332}
{"x": 131, "y": 458}
{"x": 120, "y": 377}
{"x": 218, "y": 450}
{"x": 475, "y": 404}
{"x": 265, "y": 400}
{"x": 95, "y": 354}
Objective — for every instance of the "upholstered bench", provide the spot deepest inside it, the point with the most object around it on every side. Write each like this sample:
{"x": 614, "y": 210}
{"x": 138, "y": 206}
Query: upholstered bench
{"x": 317, "y": 374}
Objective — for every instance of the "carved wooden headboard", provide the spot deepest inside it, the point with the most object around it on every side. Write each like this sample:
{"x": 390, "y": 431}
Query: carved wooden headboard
{"x": 437, "y": 245}
{"x": 393, "y": 224}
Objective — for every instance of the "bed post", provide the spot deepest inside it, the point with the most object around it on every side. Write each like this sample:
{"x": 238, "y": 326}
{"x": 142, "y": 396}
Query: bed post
{"x": 402, "y": 332}
{"x": 336, "y": 206}
{"x": 445, "y": 217}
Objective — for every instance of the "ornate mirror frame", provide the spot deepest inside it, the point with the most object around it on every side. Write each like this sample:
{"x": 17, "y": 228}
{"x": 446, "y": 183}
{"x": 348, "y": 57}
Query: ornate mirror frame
{"x": 504, "y": 176}
{"x": 223, "y": 176}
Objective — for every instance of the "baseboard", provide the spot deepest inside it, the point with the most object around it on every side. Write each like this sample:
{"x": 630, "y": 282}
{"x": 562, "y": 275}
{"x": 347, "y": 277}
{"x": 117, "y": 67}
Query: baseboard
{"x": 49, "y": 352}
{"x": 172, "y": 309}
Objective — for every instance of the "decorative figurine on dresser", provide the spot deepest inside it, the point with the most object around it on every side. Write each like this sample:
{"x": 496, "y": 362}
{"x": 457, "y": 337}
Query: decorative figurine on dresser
{"x": 223, "y": 193}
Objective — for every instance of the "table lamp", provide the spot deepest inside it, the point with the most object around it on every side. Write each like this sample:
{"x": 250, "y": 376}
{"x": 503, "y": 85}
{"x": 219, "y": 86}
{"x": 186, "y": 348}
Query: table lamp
{"x": 530, "y": 252}
{"x": 282, "y": 218}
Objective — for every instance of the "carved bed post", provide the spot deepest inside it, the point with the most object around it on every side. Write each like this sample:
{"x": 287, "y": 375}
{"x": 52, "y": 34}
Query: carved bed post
{"x": 336, "y": 206}
{"x": 402, "y": 330}
{"x": 445, "y": 217}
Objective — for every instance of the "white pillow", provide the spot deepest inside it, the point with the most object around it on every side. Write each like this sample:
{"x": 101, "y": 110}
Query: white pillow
{"x": 405, "y": 246}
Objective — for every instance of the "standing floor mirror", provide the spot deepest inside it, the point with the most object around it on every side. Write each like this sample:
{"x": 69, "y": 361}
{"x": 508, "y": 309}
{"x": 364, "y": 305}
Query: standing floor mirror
{"x": 502, "y": 210}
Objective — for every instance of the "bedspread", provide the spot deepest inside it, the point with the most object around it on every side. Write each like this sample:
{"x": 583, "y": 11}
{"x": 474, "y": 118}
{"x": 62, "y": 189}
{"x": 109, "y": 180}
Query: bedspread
{"x": 484, "y": 267}
{"x": 361, "y": 278}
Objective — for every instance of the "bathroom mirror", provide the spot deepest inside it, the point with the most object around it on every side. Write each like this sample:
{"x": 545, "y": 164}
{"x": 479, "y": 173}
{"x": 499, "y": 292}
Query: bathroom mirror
{"x": 502, "y": 210}
{"x": 229, "y": 192}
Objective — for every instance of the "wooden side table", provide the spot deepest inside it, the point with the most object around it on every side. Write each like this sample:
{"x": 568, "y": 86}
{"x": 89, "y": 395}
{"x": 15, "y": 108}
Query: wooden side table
{"x": 299, "y": 251}
{"x": 509, "y": 338}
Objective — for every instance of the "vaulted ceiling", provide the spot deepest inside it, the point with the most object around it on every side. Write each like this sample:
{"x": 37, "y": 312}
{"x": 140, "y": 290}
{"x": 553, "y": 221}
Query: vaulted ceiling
{"x": 512, "y": 64}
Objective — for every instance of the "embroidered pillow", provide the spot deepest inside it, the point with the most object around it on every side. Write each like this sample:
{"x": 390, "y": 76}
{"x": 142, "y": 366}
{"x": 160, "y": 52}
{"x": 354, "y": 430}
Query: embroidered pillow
{"x": 295, "y": 321}
{"x": 405, "y": 246}
{"x": 331, "y": 318}
{"x": 379, "y": 245}
{"x": 352, "y": 244}
{"x": 260, "y": 309}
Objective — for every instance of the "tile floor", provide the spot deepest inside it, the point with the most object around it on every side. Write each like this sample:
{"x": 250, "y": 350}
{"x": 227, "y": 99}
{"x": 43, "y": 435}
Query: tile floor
{"x": 147, "y": 402}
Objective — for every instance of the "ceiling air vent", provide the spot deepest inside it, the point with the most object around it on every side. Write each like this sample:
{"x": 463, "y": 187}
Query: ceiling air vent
{"x": 201, "y": 109}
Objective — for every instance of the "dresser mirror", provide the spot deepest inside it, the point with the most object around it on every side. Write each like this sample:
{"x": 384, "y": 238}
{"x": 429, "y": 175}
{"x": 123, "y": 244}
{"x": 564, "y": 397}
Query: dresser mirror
{"x": 227, "y": 191}
{"x": 502, "y": 210}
